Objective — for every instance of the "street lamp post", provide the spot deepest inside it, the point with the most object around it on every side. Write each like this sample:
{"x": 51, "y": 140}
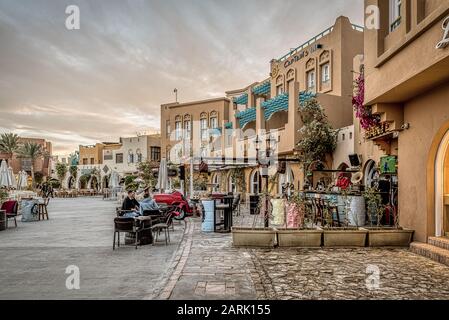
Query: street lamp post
{"x": 264, "y": 166}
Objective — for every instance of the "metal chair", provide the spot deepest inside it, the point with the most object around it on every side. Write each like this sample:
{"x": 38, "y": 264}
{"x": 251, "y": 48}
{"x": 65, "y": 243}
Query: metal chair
{"x": 163, "y": 226}
{"x": 125, "y": 225}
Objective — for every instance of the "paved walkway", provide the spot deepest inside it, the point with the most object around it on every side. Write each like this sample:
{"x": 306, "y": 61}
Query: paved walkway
{"x": 196, "y": 265}
{"x": 208, "y": 267}
{"x": 34, "y": 257}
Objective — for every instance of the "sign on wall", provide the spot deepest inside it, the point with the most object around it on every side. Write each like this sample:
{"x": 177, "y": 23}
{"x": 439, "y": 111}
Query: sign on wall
{"x": 445, "y": 41}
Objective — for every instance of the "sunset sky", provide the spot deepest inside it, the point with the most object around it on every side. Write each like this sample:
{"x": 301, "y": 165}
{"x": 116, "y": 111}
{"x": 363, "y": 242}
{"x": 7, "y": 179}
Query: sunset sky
{"x": 109, "y": 78}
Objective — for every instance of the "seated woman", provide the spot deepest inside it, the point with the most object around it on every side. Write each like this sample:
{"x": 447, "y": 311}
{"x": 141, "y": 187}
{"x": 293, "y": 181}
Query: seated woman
{"x": 147, "y": 203}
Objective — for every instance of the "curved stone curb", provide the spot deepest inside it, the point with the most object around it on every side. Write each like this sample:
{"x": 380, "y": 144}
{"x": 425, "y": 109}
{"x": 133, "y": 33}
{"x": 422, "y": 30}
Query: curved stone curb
{"x": 261, "y": 280}
{"x": 174, "y": 271}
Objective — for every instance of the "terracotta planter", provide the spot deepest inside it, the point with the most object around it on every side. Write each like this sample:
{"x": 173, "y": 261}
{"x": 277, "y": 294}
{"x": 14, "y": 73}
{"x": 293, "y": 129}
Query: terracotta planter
{"x": 345, "y": 237}
{"x": 304, "y": 238}
{"x": 257, "y": 237}
{"x": 389, "y": 237}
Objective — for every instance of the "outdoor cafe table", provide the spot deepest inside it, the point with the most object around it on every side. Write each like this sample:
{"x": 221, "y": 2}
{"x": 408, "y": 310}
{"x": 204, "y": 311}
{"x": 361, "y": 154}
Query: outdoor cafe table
{"x": 226, "y": 207}
{"x": 146, "y": 235}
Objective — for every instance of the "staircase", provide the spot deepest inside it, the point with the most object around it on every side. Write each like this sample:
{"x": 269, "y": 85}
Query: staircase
{"x": 436, "y": 248}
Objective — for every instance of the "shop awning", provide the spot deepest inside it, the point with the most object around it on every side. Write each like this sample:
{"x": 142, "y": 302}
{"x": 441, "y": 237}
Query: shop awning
{"x": 243, "y": 99}
{"x": 277, "y": 104}
{"x": 304, "y": 96}
{"x": 246, "y": 116}
{"x": 262, "y": 89}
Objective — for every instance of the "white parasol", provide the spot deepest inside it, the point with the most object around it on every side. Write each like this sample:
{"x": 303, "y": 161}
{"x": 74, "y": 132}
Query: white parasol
{"x": 24, "y": 181}
{"x": 114, "y": 180}
{"x": 162, "y": 178}
{"x": 12, "y": 178}
{"x": 5, "y": 178}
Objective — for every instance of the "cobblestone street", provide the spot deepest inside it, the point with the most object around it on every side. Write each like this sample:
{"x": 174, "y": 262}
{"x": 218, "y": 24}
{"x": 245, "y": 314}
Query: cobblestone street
{"x": 196, "y": 265}
{"x": 208, "y": 267}
{"x": 342, "y": 274}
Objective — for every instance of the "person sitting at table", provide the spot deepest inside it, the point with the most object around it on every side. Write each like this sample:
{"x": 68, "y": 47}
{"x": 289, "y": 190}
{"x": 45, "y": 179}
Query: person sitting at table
{"x": 147, "y": 203}
{"x": 131, "y": 205}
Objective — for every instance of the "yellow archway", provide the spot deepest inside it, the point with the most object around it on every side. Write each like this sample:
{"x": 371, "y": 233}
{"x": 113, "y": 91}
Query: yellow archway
{"x": 438, "y": 183}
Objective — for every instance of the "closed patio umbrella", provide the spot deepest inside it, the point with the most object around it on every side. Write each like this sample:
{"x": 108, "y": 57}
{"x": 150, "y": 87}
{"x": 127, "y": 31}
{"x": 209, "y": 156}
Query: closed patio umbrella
{"x": 5, "y": 178}
{"x": 162, "y": 178}
{"x": 114, "y": 183}
{"x": 12, "y": 178}
{"x": 24, "y": 181}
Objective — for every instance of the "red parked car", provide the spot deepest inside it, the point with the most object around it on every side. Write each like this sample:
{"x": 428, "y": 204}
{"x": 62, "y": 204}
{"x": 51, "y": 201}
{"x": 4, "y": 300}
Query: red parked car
{"x": 175, "y": 199}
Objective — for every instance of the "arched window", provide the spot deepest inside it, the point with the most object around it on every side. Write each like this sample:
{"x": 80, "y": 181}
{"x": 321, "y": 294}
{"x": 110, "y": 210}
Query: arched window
{"x": 231, "y": 185}
{"x": 216, "y": 182}
{"x": 139, "y": 155}
{"x": 279, "y": 85}
{"x": 371, "y": 173}
{"x": 256, "y": 181}
{"x": 130, "y": 156}
{"x": 204, "y": 127}
{"x": 286, "y": 181}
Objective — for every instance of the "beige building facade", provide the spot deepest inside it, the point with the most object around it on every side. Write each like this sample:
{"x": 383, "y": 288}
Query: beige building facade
{"x": 406, "y": 68}
{"x": 224, "y": 130}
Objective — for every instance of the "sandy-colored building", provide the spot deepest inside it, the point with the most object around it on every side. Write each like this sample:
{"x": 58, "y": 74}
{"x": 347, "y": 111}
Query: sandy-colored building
{"x": 42, "y": 165}
{"x": 406, "y": 67}
{"x": 123, "y": 157}
{"x": 228, "y": 127}
{"x": 92, "y": 154}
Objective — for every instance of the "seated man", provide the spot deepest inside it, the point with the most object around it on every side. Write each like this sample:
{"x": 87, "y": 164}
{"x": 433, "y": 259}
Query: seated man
{"x": 131, "y": 204}
{"x": 147, "y": 203}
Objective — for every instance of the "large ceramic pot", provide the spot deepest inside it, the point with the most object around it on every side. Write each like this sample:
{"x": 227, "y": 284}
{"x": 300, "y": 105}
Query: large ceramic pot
{"x": 253, "y": 237}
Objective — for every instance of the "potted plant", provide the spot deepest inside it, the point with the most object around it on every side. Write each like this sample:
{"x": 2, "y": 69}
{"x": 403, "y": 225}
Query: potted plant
{"x": 255, "y": 236}
{"x": 296, "y": 234}
{"x": 384, "y": 236}
{"x": 346, "y": 236}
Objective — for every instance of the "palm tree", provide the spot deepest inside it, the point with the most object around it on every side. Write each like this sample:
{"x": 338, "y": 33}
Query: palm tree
{"x": 32, "y": 151}
{"x": 9, "y": 144}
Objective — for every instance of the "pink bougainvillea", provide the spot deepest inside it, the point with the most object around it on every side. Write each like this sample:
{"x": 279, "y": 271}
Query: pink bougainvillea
{"x": 363, "y": 113}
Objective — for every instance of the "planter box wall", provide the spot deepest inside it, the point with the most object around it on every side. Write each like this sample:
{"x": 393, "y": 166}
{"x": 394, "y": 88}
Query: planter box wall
{"x": 299, "y": 238}
{"x": 345, "y": 238}
{"x": 389, "y": 237}
{"x": 248, "y": 237}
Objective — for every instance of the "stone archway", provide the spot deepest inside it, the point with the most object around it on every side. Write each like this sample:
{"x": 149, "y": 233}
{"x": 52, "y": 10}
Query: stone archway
{"x": 71, "y": 183}
{"x": 441, "y": 186}
{"x": 438, "y": 183}
{"x": 105, "y": 182}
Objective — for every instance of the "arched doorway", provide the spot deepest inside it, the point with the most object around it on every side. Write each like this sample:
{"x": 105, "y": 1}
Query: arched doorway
{"x": 441, "y": 178}
{"x": 286, "y": 181}
{"x": 94, "y": 183}
{"x": 216, "y": 182}
{"x": 255, "y": 182}
{"x": 71, "y": 183}
{"x": 231, "y": 184}
{"x": 106, "y": 182}
{"x": 371, "y": 173}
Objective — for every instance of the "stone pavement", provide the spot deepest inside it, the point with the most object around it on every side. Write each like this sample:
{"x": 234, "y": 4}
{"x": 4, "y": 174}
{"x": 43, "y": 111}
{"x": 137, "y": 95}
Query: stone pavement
{"x": 343, "y": 274}
{"x": 196, "y": 265}
{"x": 208, "y": 267}
{"x": 34, "y": 257}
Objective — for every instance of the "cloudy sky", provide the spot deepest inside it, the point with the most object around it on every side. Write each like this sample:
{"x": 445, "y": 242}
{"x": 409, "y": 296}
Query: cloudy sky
{"x": 109, "y": 78}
